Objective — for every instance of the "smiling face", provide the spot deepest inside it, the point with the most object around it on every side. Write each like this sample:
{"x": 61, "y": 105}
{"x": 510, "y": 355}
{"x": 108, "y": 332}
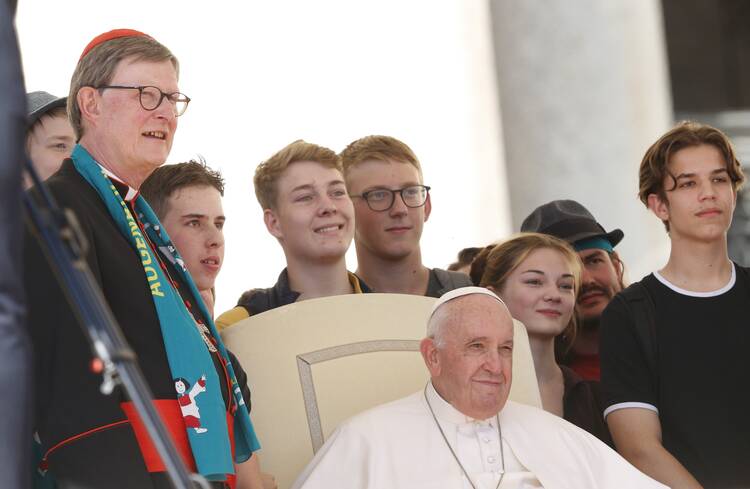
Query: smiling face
{"x": 470, "y": 360}
{"x": 195, "y": 222}
{"x": 700, "y": 207}
{"x": 124, "y": 133}
{"x": 313, "y": 218}
{"x": 395, "y": 233}
{"x": 49, "y": 142}
{"x": 540, "y": 292}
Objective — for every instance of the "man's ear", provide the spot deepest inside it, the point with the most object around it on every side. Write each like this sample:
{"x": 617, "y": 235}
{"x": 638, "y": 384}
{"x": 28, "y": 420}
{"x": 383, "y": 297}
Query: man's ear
{"x": 430, "y": 355}
{"x": 614, "y": 258}
{"x": 88, "y": 101}
{"x": 271, "y": 221}
{"x": 659, "y": 207}
{"x": 427, "y": 208}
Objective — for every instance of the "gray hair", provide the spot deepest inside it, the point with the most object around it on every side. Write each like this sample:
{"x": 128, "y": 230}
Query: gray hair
{"x": 436, "y": 326}
{"x": 98, "y": 67}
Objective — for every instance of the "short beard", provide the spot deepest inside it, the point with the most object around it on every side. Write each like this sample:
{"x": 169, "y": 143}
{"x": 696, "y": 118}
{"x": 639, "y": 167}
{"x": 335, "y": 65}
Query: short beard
{"x": 587, "y": 325}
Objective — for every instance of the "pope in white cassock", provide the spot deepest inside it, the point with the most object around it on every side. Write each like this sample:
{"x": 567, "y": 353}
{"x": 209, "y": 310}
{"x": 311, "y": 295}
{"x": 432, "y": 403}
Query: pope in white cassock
{"x": 461, "y": 431}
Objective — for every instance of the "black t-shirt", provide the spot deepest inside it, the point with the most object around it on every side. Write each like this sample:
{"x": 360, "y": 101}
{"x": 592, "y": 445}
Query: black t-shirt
{"x": 701, "y": 390}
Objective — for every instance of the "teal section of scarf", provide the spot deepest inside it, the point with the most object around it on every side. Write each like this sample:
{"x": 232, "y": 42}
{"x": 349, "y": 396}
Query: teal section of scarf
{"x": 187, "y": 354}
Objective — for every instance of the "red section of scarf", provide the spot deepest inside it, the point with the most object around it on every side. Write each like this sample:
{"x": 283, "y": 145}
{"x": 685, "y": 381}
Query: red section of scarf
{"x": 171, "y": 415}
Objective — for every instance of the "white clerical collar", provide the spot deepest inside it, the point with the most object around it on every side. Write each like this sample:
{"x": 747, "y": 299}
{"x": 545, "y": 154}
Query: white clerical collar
{"x": 130, "y": 194}
{"x": 446, "y": 412}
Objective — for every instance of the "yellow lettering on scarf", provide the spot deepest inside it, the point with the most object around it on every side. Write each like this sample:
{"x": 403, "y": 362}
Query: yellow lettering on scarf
{"x": 140, "y": 244}
{"x": 133, "y": 226}
{"x": 155, "y": 289}
{"x": 151, "y": 274}
{"x": 142, "y": 249}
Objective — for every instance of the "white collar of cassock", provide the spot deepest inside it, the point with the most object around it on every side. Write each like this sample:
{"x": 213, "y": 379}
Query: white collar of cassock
{"x": 131, "y": 194}
{"x": 446, "y": 413}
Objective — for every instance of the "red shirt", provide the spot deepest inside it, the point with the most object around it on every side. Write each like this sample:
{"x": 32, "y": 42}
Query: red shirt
{"x": 587, "y": 366}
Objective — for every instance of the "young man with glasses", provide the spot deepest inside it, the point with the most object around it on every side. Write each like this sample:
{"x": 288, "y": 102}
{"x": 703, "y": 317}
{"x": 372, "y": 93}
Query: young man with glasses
{"x": 391, "y": 205}
{"x": 307, "y": 209}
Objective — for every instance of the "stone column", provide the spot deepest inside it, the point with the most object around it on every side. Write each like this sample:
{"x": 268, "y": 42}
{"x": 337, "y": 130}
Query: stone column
{"x": 584, "y": 91}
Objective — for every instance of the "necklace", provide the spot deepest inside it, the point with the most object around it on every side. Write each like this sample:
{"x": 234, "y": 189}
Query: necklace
{"x": 445, "y": 439}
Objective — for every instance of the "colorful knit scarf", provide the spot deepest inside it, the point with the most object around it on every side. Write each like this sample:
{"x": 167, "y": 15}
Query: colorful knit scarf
{"x": 189, "y": 359}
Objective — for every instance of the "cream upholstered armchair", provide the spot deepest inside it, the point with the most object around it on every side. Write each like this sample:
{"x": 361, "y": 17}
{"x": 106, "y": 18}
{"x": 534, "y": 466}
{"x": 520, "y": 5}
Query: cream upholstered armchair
{"x": 312, "y": 364}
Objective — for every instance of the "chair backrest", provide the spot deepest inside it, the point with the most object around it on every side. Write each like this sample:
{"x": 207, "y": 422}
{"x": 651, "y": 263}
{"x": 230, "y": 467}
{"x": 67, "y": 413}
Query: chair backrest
{"x": 313, "y": 364}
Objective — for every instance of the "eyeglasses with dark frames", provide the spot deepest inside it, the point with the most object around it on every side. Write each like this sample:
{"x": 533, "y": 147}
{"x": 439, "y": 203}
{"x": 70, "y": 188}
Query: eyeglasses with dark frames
{"x": 151, "y": 97}
{"x": 382, "y": 199}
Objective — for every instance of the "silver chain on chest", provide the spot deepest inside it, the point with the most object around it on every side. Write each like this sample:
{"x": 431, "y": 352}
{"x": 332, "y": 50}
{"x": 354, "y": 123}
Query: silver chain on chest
{"x": 445, "y": 439}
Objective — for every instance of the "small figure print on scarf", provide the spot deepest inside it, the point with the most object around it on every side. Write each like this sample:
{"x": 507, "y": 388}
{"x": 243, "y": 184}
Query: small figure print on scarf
{"x": 188, "y": 404}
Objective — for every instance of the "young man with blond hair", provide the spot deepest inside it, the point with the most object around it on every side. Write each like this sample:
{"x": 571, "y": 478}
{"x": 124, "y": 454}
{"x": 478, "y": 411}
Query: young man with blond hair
{"x": 674, "y": 345}
{"x": 307, "y": 209}
{"x": 391, "y": 205}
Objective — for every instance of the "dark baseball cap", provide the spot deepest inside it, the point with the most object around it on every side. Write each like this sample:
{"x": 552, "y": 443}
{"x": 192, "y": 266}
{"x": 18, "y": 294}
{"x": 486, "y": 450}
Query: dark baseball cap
{"x": 39, "y": 103}
{"x": 568, "y": 220}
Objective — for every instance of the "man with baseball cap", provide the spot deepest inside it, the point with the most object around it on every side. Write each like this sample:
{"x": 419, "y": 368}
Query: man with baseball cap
{"x": 602, "y": 272}
{"x": 49, "y": 137}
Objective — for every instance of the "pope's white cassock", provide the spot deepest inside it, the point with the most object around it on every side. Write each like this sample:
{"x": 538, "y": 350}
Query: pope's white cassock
{"x": 398, "y": 445}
